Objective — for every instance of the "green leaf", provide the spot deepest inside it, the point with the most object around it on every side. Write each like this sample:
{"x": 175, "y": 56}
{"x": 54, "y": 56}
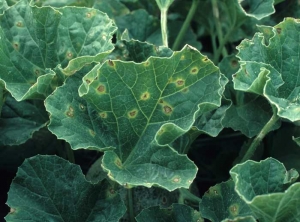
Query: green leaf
{"x": 177, "y": 212}
{"x": 268, "y": 67}
{"x": 73, "y": 119}
{"x": 263, "y": 182}
{"x": 47, "y": 184}
{"x": 19, "y": 120}
{"x": 3, "y": 6}
{"x": 222, "y": 202}
{"x": 143, "y": 107}
{"x": 112, "y": 8}
{"x": 257, "y": 8}
{"x": 32, "y": 44}
{"x": 241, "y": 219}
{"x": 297, "y": 140}
{"x": 149, "y": 26}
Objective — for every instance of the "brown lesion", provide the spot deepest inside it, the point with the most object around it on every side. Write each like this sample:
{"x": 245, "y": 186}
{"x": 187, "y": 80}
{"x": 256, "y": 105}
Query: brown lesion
{"x": 167, "y": 109}
{"x": 70, "y": 112}
{"x": 101, "y": 88}
{"x": 145, "y": 96}
{"x": 194, "y": 70}
{"x": 278, "y": 30}
{"x": 180, "y": 82}
{"x": 19, "y": 24}
{"x": 132, "y": 113}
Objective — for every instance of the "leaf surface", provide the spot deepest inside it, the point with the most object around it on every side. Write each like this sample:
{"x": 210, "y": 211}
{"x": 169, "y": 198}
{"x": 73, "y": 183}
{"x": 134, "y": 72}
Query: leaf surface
{"x": 145, "y": 106}
{"x": 35, "y": 40}
{"x": 19, "y": 120}
{"x": 222, "y": 202}
{"x": 47, "y": 185}
{"x": 264, "y": 182}
{"x": 269, "y": 67}
{"x": 178, "y": 212}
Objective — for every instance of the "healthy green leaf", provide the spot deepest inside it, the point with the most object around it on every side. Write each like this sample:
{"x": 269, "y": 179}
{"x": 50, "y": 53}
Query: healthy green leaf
{"x": 145, "y": 106}
{"x": 265, "y": 182}
{"x": 47, "y": 185}
{"x": 269, "y": 67}
{"x": 177, "y": 212}
{"x": 32, "y": 43}
{"x": 222, "y": 202}
{"x": 257, "y": 8}
{"x": 19, "y": 120}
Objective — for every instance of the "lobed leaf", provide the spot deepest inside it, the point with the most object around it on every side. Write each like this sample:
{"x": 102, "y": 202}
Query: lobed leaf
{"x": 35, "y": 40}
{"x": 269, "y": 67}
{"x": 221, "y": 202}
{"x": 48, "y": 184}
{"x": 143, "y": 107}
{"x": 265, "y": 182}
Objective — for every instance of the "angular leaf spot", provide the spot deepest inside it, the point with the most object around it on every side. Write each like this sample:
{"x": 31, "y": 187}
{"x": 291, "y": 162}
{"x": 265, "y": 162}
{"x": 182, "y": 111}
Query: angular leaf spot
{"x": 103, "y": 115}
{"x": 81, "y": 107}
{"x": 146, "y": 63}
{"x": 87, "y": 81}
{"x": 111, "y": 63}
{"x": 179, "y": 82}
{"x": 19, "y": 24}
{"x": 145, "y": 96}
{"x": 278, "y": 30}
{"x": 101, "y": 89}
{"x": 205, "y": 59}
{"x": 37, "y": 72}
{"x": 185, "y": 90}
{"x": 167, "y": 109}
{"x": 69, "y": 55}
{"x": 182, "y": 57}
{"x": 132, "y": 114}
{"x": 12, "y": 210}
{"x": 234, "y": 63}
{"x": 234, "y": 209}
{"x": 92, "y": 132}
{"x": 118, "y": 163}
{"x": 16, "y": 46}
{"x": 176, "y": 179}
{"x": 194, "y": 70}
{"x": 70, "y": 112}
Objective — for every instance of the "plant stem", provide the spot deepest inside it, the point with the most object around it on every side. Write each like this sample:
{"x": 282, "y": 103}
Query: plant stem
{"x": 222, "y": 41}
{"x": 187, "y": 195}
{"x": 266, "y": 129}
{"x": 164, "y": 28}
{"x": 185, "y": 25}
{"x": 130, "y": 204}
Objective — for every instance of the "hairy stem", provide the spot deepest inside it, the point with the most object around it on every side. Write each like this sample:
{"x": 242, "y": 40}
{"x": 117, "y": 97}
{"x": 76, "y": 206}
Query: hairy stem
{"x": 164, "y": 27}
{"x": 187, "y": 195}
{"x": 130, "y": 204}
{"x": 185, "y": 25}
{"x": 265, "y": 130}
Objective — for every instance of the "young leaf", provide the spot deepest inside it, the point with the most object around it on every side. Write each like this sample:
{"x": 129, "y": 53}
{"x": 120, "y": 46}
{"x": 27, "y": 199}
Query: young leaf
{"x": 265, "y": 182}
{"x": 50, "y": 188}
{"x": 147, "y": 105}
{"x": 222, "y": 202}
{"x": 178, "y": 212}
{"x": 269, "y": 67}
{"x": 32, "y": 44}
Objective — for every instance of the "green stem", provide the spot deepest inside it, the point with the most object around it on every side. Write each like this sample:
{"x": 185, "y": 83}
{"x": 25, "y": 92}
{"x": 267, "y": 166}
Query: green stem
{"x": 130, "y": 204}
{"x": 222, "y": 40}
{"x": 266, "y": 129}
{"x": 187, "y": 195}
{"x": 164, "y": 28}
{"x": 185, "y": 25}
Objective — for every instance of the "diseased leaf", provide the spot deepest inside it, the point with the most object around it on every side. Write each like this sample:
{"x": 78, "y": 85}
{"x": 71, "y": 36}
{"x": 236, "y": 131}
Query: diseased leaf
{"x": 112, "y": 8}
{"x": 73, "y": 119}
{"x": 145, "y": 106}
{"x": 32, "y": 44}
{"x": 177, "y": 212}
{"x": 47, "y": 185}
{"x": 269, "y": 67}
{"x": 263, "y": 182}
{"x": 222, "y": 202}
{"x": 19, "y": 120}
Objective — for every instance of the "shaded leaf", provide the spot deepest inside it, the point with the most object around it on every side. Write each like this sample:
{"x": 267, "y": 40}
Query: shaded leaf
{"x": 269, "y": 67}
{"x": 32, "y": 43}
{"x": 241, "y": 219}
{"x": 19, "y": 120}
{"x": 177, "y": 212}
{"x": 143, "y": 107}
{"x": 257, "y": 8}
{"x": 222, "y": 202}
{"x": 47, "y": 184}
